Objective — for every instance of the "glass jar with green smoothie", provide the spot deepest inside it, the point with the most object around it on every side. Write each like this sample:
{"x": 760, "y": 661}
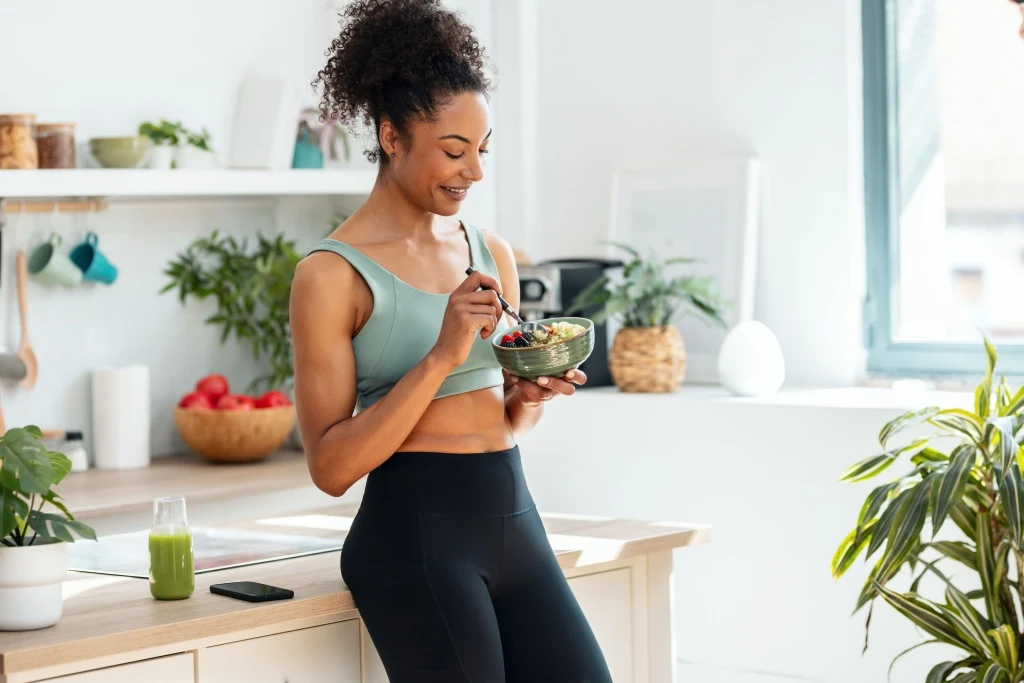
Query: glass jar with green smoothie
{"x": 172, "y": 571}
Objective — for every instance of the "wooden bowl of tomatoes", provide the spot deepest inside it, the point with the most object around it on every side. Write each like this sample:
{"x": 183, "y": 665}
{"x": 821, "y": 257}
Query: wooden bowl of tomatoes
{"x": 222, "y": 426}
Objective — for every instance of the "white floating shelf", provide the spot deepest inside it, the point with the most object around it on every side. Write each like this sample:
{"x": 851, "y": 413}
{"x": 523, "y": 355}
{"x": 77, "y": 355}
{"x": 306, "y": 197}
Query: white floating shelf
{"x": 115, "y": 183}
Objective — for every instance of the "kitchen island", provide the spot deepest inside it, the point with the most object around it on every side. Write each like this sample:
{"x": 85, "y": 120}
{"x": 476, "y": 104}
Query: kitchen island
{"x": 112, "y": 631}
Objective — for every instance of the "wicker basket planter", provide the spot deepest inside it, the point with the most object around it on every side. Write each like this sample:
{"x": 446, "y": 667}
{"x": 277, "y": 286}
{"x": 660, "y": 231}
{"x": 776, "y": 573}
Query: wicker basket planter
{"x": 648, "y": 359}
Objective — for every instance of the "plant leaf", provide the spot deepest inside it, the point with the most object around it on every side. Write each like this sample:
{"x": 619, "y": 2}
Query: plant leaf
{"x": 987, "y": 568}
{"x": 1005, "y": 640}
{"x": 939, "y": 672}
{"x": 905, "y": 421}
{"x": 881, "y": 530}
{"x": 959, "y": 551}
{"x": 991, "y": 672}
{"x": 906, "y": 530}
{"x": 954, "y": 481}
{"x": 1015, "y": 404}
{"x": 868, "y": 468}
{"x": 983, "y": 398}
{"x": 929, "y": 455}
{"x": 1011, "y": 496}
{"x": 975, "y": 625}
{"x": 874, "y": 502}
{"x": 850, "y": 548}
{"x": 959, "y": 421}
{"x": 991, "y": 356}
{"x": 925, "y": 614}
{"x": 966, "y": 519}
{"x": 26, "y": 462}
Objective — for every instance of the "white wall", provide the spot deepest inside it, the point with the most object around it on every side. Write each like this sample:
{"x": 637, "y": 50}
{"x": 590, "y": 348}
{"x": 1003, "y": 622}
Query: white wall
{"x": 633, "y": 85}
{"x": 758, "y": 604}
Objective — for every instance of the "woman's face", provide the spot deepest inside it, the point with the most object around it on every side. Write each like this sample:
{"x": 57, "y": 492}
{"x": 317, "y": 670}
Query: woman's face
{"x": 438, "y": 161}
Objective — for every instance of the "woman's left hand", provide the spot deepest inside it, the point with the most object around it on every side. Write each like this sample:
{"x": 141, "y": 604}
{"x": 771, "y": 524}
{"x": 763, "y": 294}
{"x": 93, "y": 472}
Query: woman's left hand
{"x": 546, "y": 388}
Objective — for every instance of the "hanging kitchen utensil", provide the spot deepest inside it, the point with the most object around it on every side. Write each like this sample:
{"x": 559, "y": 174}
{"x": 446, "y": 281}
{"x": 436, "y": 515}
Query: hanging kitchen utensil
{"x": 25, "y": 352}
{"x": 11, "y": 366}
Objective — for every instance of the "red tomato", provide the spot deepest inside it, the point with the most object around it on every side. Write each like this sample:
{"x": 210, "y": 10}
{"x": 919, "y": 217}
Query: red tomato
{"x": 214, "y": 386}
{"x": 196, "y": 400}
{"x": 272, "y": 399}
{"x": 235, "y": 402}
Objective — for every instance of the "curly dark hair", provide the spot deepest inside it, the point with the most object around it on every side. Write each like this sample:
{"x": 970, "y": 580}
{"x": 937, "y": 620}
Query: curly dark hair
{"x": 398, "y": 59}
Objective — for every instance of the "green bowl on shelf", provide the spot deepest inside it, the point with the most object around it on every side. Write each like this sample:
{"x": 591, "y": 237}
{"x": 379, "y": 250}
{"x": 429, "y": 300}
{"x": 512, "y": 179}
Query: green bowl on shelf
{"x": 126, "y": 152}
{"x": 550, "y": 360}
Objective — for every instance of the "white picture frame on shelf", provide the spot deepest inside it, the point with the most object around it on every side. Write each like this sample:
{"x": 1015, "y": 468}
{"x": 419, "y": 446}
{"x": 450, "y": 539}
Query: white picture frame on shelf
{"x": 707, "y": 208}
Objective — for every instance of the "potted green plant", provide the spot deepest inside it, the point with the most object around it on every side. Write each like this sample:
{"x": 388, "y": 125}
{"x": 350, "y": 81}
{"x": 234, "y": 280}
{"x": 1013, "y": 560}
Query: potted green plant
{"x": 648, "y": 354}
{"x": 194, "y": 152}
{"x": 251, "y": 287}
{"x": 33, "y": 539}
{"x": 972, "y": 477}
{"x": 165, "y": 139}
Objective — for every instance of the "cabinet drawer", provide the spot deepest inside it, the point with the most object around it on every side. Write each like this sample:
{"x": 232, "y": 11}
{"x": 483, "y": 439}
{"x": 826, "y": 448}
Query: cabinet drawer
{"x": 320, "y": 654}
{"x": 606, "y": 599}
{"x": 173, "y": 669}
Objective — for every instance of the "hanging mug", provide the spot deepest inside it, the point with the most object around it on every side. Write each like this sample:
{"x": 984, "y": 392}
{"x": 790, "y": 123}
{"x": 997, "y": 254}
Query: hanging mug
{"x": 91, "y": 262}
{"x": 51, "y": 266}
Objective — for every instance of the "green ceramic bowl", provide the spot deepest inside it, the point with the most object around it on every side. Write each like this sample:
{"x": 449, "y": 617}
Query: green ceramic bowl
{"x": 552, "y": 360}
{"x": 128, "y": 152}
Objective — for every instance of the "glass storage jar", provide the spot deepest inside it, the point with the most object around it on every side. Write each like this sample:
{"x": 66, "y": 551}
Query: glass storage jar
{"x": 17, "y": 143}
{"x": 55, "y": 143}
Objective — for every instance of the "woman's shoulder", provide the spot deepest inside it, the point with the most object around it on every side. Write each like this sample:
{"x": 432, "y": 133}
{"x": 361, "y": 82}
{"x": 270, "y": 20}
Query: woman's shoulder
{"x": 499, "y": 247}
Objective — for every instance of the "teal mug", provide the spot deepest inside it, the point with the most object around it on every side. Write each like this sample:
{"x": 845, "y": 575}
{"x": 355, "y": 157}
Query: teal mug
{"x": 51, "y": 266}
{"x": 93, "y": 264}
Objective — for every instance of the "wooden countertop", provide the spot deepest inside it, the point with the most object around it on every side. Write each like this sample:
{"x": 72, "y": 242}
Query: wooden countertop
{"x": 106, "y": 616}
{"x": 96, "y": 493}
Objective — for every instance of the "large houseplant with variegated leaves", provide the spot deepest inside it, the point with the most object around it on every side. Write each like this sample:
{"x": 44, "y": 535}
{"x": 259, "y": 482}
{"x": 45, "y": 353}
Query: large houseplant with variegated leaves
{"x": 977, "y": 484}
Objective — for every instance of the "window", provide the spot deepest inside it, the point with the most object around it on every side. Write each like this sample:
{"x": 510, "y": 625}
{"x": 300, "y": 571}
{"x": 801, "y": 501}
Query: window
{"x": 944, "y": 185}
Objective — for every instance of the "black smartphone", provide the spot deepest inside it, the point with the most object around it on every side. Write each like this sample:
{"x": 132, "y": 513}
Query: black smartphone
{"x": 251, "y": 591}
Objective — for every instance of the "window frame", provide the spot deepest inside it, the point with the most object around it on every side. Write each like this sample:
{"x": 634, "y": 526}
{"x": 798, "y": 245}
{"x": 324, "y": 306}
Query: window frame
{"x": 887, "y": 357}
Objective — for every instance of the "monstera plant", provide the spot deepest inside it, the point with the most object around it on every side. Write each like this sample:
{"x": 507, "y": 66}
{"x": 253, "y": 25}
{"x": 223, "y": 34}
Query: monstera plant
{"x": 972, "y": 492}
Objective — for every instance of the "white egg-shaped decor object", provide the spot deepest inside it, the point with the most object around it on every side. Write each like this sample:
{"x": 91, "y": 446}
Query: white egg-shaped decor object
{"x": 750, "y": 361}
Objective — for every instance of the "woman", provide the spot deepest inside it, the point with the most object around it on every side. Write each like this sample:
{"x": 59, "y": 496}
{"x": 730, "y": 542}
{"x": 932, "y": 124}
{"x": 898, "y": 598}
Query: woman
{"x": 446, "y": 559}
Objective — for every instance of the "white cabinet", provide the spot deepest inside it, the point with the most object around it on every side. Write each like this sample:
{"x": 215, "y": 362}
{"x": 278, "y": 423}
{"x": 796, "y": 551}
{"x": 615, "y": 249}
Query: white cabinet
{"x": 173, "y": 669}
{"x": 606, "y": 600}
{"x": 320, "y": 654}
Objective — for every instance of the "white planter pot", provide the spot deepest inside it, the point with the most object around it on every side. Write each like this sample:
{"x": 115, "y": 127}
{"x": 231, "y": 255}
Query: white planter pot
{"x": 189, "y": 157}
{"x": 30, "y": 586}
{"x": 160, "y": 158}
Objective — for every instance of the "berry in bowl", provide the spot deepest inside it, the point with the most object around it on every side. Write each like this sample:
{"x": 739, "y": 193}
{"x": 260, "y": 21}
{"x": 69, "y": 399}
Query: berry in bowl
{"x": 555, "y": 347}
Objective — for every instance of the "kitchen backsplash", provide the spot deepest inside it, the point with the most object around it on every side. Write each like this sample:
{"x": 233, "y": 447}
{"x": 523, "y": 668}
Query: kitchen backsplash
{"x": 74, "y": 330}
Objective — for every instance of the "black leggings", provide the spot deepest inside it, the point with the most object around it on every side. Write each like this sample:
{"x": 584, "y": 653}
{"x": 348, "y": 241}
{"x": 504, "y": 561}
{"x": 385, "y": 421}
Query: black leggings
{"x": 453, "y": 575}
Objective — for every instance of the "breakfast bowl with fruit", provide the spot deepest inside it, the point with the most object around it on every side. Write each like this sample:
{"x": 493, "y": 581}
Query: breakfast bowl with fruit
{"x": 223, "y": 426}
{"x": 552, "y": 348}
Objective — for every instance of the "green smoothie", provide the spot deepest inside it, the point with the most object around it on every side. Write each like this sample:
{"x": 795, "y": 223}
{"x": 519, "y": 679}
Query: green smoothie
{"x": 172, "y": 573}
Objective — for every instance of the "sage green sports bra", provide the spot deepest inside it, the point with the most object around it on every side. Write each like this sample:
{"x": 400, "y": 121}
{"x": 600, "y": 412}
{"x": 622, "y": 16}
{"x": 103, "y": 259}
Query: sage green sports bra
{"x": 404, "y": 326}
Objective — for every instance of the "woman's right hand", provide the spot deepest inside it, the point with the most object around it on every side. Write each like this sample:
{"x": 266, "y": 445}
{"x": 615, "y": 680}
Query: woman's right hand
{"x": 471, "y": 311}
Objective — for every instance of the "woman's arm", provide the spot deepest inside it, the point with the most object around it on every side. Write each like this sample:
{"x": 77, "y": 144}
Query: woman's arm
{"x": 524, "y": 400}
{"x": 341, "y": 449}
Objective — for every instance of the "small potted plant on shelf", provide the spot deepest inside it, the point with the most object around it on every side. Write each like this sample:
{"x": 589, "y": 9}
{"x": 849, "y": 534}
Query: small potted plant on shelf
{"x": 33, "y": 539}
{"x": 165, "y": 139}
{"x": 648, "y": 354}
{"x": 953, "y": 524}
{"x": 195, "y": 151}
